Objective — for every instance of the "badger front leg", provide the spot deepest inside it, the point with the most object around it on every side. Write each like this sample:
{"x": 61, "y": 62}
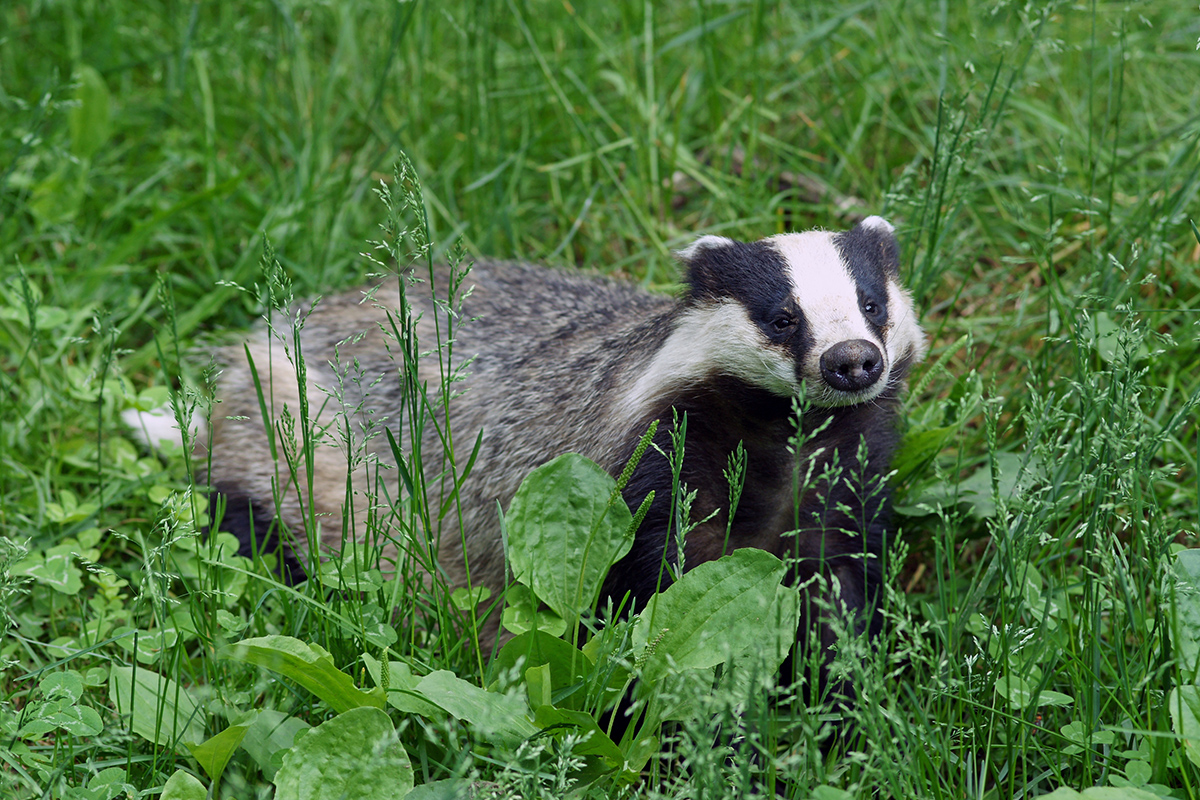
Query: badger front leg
{"x": 838, "y": 607}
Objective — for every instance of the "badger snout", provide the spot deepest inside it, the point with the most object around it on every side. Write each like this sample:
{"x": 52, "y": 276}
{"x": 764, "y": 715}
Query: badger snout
{"x": 852, "y": 365}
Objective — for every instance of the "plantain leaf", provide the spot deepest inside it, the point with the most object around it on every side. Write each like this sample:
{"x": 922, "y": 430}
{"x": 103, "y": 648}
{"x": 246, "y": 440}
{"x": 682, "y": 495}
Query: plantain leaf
{"x": 159, "y": 708}
{"x": 401, "y": 687}
{"x": 1185, "y": 612}
{"x": 308, "y": 665}
{"x": 717, "y": 610}
{"x": 88, "y": 119}
{"x": 214, "y": 753}
{"x": 1184, "y": 704}
{"x": 270, "y": 735}
{"x": 563, "y": 533}
{"x": 569, "y": 667}
{"x": 354, "y": 756}
{"x": 502, "y": 716}
{"x": 183, "y": 786}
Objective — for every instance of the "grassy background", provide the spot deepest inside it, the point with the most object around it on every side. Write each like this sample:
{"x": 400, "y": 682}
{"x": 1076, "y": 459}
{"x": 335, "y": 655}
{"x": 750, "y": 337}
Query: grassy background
{"x": 1040, "y": 163}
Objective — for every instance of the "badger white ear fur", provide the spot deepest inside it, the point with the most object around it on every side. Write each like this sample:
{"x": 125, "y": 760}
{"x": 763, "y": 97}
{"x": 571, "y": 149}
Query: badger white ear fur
{"x": 706, "y": 242}
{"x": 878, "y": 224}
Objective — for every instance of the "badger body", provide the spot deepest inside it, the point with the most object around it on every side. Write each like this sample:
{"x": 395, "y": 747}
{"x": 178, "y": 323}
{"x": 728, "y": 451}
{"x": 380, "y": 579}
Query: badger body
{"x": 562, "y": 362}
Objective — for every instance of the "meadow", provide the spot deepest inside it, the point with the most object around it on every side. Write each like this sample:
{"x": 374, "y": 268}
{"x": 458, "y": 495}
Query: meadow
{"x": 170, "y": 170}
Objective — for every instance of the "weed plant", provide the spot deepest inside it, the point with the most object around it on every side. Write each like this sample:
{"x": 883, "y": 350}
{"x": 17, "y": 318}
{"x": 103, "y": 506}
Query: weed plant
{"x": 1040, "y": 162}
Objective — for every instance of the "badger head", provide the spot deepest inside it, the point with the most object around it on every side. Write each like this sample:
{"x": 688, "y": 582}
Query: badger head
{"x": 818, "y": 310}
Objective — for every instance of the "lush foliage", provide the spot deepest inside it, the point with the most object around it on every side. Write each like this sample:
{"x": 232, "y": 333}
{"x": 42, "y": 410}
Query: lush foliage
{"x": 1041, "y": 163}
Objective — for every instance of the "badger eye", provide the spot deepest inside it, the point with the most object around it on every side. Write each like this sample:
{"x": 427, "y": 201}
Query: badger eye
{"x": 871, "y": 308}
{"x": 783, "y": 324}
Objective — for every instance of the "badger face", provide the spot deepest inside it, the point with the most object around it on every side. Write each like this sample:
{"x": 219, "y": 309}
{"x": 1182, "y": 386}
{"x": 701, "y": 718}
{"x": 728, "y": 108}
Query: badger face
{"x": 818, "y": 310}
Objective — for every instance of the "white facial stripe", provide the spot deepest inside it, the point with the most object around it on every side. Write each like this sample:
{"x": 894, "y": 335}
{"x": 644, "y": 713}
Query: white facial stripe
{"x": 825, "y": 290}
{"x": 904, "y": 335}
{"x": 708, "y": 340}
{"x": 828, "y": 297}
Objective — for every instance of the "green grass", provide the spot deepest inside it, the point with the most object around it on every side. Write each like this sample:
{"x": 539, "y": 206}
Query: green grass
{"x": 1041, "y": 164}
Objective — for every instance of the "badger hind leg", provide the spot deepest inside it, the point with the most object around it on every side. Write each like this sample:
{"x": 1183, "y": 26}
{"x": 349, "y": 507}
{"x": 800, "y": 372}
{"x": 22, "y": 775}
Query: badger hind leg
{"x": 258, "y": 531}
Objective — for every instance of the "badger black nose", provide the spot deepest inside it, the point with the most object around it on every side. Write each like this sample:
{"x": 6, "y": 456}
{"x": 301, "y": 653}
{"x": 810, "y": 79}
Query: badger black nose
{"x": 852, "y": 366}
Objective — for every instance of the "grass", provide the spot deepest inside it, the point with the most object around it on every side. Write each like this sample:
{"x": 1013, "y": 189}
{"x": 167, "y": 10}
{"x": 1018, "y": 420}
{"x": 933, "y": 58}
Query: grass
{"x": 1041, "y": 164}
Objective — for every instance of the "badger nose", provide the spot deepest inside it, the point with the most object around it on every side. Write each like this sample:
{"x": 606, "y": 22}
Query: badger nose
{"x": 852, "y": 366}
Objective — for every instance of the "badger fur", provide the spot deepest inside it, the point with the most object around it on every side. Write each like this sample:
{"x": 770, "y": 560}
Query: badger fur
{"x": 572, "y": 363}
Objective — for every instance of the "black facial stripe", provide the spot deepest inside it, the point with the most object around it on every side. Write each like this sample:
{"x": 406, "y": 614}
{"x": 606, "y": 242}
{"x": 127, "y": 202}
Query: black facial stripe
{"x": 877, "y": 321}
{"x": 754, "y": 274}
{"x": 757, "y": 276}
{"x": 872, "y": 251}
{"x": 872, "y": 258}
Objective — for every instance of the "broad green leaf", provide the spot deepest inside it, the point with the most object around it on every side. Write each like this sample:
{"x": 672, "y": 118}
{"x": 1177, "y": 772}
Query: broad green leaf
{"x": 569, "y": 667}
{"x": 522, "y": 619}
{"x": 75, "y": 720}
{"x": 1020, "y": 692}
{"x": 80, "y": 721}
{"x": 639, "y": 752}
{"x": 503, "y": 716}
{"x": 56, "y": 570}
{"x": 976, "y": 489}
{"x": 146, "y": 646}
{"x": 563, "y": 534}
{"x": 214, "y": 753}
{"x": 44, "y": 318}
{"x": 1138, "y": 773}
{"x": 308, "y": 665}
{"x": 1049, "y": 698}
{"x": 161, "y": 711}
{"x": 596, "y": 742}
{"x": 66, "y": 685}
{"x": 373, "y": 624}
{"x": 787, "y": 611}
{"x": 1101, "y": 793}
{"x": 1076, "y": 733}
{"x": 110, "y": 784}
{"x": 448, "y": 789}
{"x": 229, "y": 623}
{"x": 717, "y": 610}
{"x": 401, "y": 688}
{"x": 1185, "y": 612}
{"x": 1184, "y": 703}
{"x": 183, "y": 786}
{"x": 88, "y": 119}
{"x": 347, "y": 574}
{"x": 918, "y": 449}
{"x": 271, "y": 733}
{"x": 354, "y": 756}
{"x": 1015, "y": 690}
{"x": 537, "y": 686}
{"x": 830, "y": 793}
{"x": 465, "y": 599}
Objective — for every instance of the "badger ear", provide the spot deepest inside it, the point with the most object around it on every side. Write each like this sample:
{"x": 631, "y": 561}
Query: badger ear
{"x": 874, "y": 241}
{"x": 707, "y": 265}
{"x": 877, "y": 224}
{"x": 706, "y": 242}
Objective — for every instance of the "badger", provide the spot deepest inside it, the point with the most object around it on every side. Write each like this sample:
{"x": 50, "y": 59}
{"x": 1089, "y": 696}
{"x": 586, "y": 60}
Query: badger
{"x": 795, "y": 347}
